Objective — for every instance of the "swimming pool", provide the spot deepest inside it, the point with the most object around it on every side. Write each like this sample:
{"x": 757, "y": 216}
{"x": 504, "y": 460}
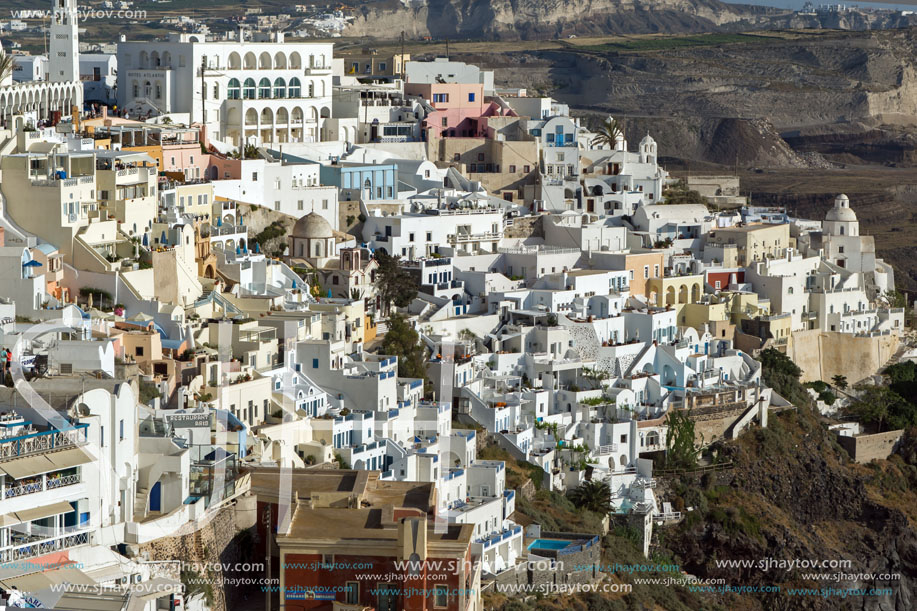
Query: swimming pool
{"x": 549, "y": 544}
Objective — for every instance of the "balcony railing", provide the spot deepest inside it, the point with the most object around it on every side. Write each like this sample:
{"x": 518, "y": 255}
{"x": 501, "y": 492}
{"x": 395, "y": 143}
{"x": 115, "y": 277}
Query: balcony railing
{"x": 42, "y": 547}
{"x": 45, "y": 441}
{"x": 39, "y": 486}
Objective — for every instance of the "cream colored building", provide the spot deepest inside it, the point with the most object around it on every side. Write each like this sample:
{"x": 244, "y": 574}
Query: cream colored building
{"x": 127, "y": 184}
{"x": 754, "y": 242}
{"x": 51, "y": 195}
{"x": 504, "y": 167}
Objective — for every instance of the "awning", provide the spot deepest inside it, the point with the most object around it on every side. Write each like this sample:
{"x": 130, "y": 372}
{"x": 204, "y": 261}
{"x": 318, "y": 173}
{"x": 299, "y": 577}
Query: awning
{"x": 29, "y": 583}
{"x": 8, "y": 519}
{"x": 70, "y": 458}
{"x": 153, "y": 589}
{"x": 70, "y": 575}
{"x": 106, "y": 573}
{"x": 96, "y": 601}
{"x": 37, "y": 513}
{"x": 19, "y": 468}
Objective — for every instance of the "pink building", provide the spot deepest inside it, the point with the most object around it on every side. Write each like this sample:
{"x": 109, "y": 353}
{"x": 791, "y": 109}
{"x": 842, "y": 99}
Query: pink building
{"x": 182, "y": 153}
{"x": 458, "y": 106}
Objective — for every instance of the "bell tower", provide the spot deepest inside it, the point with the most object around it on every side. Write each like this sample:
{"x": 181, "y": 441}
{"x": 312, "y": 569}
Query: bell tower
{"x": 64, "y": 47}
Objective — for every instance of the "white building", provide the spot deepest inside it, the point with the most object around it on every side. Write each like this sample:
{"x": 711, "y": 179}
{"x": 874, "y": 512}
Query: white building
{"x": 253, "y": 92}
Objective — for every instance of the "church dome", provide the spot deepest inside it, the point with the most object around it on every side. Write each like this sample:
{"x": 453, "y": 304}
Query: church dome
{"x": 841, "y": 212}
{"x": 313, "y": 226}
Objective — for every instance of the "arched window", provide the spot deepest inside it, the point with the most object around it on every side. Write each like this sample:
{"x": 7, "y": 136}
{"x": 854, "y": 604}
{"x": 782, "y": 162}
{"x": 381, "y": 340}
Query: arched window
{"x": 280, "y": 88}
{"x": 311, "y": 88}
{"x": 264, "y": 89}
{"x": 147, "y": 89}
{"x": 248, "y": 90}
{"x": 294, "y": 89}
{"x": 216, "y": 91}
{"x": 234, "y": 89}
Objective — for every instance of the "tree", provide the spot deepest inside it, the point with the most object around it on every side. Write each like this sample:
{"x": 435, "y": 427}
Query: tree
{"x": 393, "y": 283}
{"x": 876, "y": 404}
{"x": 896, "y": 299}
{"x": 608, "y": 133}
{"x": 593, "y": 496}
{"x": 782, "y": 374}
{"x": 681, "y": 450}
{"x": 839, "y": 381}
{"x": 403, "y": 341}
{"x": 595, "y": 377}
{"x": 6, "y": 66}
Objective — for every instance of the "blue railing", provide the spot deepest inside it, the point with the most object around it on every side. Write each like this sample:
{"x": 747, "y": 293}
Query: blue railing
{"x": 43, "y": 441}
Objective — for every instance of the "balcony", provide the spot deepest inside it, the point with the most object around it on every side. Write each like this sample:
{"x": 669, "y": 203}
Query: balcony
{"x": 473, "y": 237}
{"x": 604, "y": 450}
{"x": 31, "y": 546}
{"x": 42, "y": 442}
{"x": 42, "y": 484}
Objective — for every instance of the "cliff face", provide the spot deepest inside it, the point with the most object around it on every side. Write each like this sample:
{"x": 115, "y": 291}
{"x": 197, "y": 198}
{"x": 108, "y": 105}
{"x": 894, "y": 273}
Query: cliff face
{"x": 794, "y": 495}
{"x": 513, "y": 19}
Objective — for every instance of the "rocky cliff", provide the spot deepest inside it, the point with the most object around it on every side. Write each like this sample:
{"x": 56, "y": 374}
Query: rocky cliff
{"x": 512, "y": 19}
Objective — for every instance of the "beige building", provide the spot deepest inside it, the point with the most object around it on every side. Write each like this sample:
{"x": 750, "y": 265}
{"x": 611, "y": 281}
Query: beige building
{"x": 127, "y": 184}
{"x": 370, "y": 63}
{"x": 754, "y": 242}
{"x": 504, "y": 167}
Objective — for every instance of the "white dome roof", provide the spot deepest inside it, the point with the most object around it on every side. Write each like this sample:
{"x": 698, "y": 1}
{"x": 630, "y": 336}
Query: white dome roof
{"x": 841, "y": 212}
{"x": 312, "y": 226}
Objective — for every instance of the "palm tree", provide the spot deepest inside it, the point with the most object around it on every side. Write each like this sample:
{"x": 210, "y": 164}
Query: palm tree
{"x": 609, "y": 132}
{"x": 6, "y": 66}
{"x": 592, "y": 495}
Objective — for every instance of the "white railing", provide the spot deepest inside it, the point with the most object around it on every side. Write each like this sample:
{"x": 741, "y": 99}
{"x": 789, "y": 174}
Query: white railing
{"x": 45, "y": 546}
{"x": 32, "y": 488}
{"x": 609, "y": 448}
{"x": 22, "y": 490}
{"x": 42, "y": 442}
{"x": 60, "y": 482}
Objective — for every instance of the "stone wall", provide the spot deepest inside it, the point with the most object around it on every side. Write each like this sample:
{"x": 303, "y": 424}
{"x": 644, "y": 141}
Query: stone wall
{"x": 710, "y": 428}
{"x": 214, "y": 544}
{"x": 866, "y": 448}
{"x": 526, "y": 227}
{"x": 822, "y": 355}
{"x": 349, "y": 210}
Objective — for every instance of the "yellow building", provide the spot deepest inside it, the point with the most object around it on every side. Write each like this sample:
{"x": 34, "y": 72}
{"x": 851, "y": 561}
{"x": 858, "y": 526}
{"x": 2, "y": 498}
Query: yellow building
{"x": 699, "y": 314}
{"x": 675, "y": 290}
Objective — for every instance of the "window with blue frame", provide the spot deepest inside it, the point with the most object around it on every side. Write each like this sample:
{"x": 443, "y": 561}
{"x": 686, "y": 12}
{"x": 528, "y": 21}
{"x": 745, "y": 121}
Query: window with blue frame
{"x": 314, "y": 363}
{"x": 550, "y": 138}
{"x": 471, "y": 97}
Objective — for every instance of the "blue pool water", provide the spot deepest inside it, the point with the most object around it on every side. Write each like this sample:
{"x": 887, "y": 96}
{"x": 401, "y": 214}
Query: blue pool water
{"x": 548, "y": 544}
